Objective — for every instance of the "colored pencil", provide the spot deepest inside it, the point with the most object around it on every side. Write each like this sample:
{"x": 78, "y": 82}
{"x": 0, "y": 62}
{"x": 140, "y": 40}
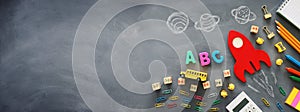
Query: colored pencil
{"x": 288, "y": 37}
{"x": 293, "y": 60}
{"x": 283, "y": 35}
{"x": 292, "y": 37}
{"x": 292, "y": 71}
{"x": 295, "y": 78}
{"x": 293, "y": 40}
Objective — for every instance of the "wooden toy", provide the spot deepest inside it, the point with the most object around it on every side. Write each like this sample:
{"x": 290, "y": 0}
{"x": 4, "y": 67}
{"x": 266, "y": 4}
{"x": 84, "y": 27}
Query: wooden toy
{"x": 270, "y": 34}
{"x": 224, "y": 93}
{"x": 206, "y": 85}
{"x": 214, "y": 57}
{"x": 293, "y": 99}
{"x": 245, "y": 55}
{"x": 231, "y": 86}
{"x": 168, "y": 80}
{"x": 156, "y": 86}
{"x": 226, "y": 73}
{"x": 181, "y": 81}
{"x": 158, "y": 105}
{"x": 279, "y": 62}
{"x": 267, "y": 15}
{"x": 280, "y": 47}
{"x": 260, "y": 41}
{"x": 266, "y": 102}
{"x": 190, "y": 57}
{"x": 193, "y": 88}
{"x": 254, "y": 29}
{"x": 218, "y": 83}
{"x": 204, "y": 59}
{"x": 193, "y": 74}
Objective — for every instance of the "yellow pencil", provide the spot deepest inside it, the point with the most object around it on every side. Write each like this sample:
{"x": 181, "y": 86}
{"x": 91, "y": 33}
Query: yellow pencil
{"x": 283, "y": 35}
{"x": 289, "y": 35}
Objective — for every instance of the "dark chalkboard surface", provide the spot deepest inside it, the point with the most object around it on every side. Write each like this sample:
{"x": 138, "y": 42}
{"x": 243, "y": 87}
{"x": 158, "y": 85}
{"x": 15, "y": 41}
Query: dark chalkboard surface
{"x": 74, "y": 55}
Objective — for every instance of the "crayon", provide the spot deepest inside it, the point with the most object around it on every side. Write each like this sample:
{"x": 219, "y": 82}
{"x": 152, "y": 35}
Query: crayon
{"x": 295, "y": 78}
{"x": 292, "y": 59}
{"x": 293, "y": 71}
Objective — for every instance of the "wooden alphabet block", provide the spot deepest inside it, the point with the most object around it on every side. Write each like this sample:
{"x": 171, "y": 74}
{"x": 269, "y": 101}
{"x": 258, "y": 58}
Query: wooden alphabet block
{"x": 226, "y": 73}
{"x": 168, "y": 80}
{"x": 156, "y": 86}
{"x": 254, "y": 29}
{"x": 193, "y": 88}
{"x": 206, "y": 85}
{"x": 181, "y": 81}
{"x": 218, "y": 83}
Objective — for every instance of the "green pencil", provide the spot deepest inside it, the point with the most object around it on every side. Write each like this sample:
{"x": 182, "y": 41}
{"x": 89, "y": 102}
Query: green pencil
{"x": 295, "y": 78}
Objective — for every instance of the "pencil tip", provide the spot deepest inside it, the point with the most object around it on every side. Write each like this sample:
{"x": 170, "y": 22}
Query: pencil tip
{"x": 276, "y": 21}
{"x": 277, "y": 27}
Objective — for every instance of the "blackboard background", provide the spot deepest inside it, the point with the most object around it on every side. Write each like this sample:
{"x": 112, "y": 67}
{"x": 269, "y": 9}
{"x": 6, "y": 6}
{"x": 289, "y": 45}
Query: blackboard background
{"x": 36, "y": 53}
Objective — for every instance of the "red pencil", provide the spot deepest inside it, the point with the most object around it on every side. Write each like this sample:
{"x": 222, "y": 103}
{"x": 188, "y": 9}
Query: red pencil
{"x": 293, "y": 71}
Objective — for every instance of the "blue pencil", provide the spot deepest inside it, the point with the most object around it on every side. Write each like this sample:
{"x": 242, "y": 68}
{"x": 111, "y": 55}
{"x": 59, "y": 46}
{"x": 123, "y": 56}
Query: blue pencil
{"x": 293, "y": 60}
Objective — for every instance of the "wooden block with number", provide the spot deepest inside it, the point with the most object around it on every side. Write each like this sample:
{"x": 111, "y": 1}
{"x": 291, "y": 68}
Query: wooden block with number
{"x": 168, "y": 80}
{"x": 254, "y": 29}
{"x": 206, "y": 85}
{"x": 156, "y": 86}
{"x": 218, "y": 83}
{"x": 193, "y": 88}
{"x": 226, "y": 73}
{"x": 181, "y": 81}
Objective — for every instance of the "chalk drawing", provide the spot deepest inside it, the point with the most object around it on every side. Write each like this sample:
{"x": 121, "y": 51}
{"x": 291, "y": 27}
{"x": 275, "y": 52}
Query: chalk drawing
{"x": 243, "y": 15}
{"x": 275, "y": 79}
{"x": 262, "y": 81}
{"x": 207, "y": 22}
{"x": 254, "y": 89}
{"x": 178, "y": 22}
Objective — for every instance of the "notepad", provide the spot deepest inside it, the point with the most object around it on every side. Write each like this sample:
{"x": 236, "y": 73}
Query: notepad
{"x": 294, "y": 99}
{"x": 290, "y": 9}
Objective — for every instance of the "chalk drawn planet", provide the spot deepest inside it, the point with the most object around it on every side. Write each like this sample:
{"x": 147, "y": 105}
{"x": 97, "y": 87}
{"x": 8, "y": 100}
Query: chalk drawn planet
{"x": 243, "y": 15}
{"x": 178, "y": 22}
{"x": 207, "y": 22}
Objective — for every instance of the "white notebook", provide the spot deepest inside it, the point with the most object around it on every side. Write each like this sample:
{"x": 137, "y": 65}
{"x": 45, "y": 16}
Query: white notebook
{"x": 290, "y": 9}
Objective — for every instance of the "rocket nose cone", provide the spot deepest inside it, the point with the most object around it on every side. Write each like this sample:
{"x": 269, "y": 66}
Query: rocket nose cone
{"x": 235, "y": 39}
{"x": 231, "y": 35}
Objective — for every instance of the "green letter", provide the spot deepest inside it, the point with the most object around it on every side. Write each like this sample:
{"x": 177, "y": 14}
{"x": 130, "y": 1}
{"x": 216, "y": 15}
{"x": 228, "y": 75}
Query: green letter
{"x": 189, "y": 57}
